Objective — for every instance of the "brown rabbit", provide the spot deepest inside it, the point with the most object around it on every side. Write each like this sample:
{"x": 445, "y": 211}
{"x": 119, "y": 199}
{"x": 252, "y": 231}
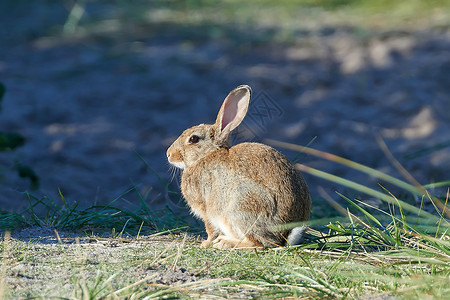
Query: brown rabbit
{"x": 244, "y": 193}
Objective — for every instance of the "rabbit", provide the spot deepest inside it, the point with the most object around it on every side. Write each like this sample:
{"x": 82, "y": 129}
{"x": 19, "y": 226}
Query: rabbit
{"x": 245, "y": 193}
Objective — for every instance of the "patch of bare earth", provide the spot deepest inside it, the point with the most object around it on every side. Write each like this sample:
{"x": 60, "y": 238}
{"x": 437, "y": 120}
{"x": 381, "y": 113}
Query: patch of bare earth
{"x": 41, "y": 261}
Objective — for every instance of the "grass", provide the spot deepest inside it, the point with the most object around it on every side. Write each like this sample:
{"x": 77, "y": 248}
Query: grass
{"x": 253, "y": 22}
{"x": 395, "y": 251}
{"x": 289, "y": 13}
{"x": 95, "y": 219}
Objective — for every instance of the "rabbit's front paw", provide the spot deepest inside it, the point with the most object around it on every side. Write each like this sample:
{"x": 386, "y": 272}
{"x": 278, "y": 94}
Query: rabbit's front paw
{"x": 206, "y": 243}
{"x": 221, "y": 244}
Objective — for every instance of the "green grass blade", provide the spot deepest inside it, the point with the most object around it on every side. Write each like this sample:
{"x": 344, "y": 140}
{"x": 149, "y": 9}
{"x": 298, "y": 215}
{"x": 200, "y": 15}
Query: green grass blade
{"x": 367, "y": 214}
{"x": 362, "y": 188}
{"x": 349, "y": 163}
{"x": 418, "y": 190}
{"x": 437, "y": 184}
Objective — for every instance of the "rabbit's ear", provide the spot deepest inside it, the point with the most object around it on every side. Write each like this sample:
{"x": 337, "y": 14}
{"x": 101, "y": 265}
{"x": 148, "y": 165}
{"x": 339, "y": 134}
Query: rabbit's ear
{"x": 233, "y": 110}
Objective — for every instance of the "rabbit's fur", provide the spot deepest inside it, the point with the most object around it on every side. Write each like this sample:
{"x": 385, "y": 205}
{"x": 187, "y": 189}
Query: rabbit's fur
{"x": 242, "y": 193}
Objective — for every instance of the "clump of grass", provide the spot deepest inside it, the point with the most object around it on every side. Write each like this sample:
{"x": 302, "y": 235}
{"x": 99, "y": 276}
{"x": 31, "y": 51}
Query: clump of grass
{"x": 98, "y": 219}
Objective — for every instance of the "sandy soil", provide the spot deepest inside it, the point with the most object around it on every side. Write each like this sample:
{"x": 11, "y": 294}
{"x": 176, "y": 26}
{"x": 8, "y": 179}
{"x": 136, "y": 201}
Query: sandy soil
{"x": 86, "y": 104}
{"x": 54, "y": 262}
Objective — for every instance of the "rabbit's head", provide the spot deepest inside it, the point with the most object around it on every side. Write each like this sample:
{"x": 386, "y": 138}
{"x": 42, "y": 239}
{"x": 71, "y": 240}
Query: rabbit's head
{"x": 198, "y": 141}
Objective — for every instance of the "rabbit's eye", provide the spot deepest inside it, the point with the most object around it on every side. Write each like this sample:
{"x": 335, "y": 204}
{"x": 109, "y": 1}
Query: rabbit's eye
{"x": 194, "y": 139}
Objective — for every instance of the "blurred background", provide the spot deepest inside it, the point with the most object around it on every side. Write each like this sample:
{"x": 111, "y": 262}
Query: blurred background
{"x": 94, "y": 85}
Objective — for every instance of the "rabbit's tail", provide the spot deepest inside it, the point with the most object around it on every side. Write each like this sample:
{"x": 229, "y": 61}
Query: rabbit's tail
{"x": 296, "y": 235}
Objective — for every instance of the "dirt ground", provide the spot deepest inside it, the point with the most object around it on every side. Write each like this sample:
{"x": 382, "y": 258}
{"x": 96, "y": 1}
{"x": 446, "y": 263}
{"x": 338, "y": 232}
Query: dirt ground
{"x": 43, "y": 263}
{"x": 86, "y": 103}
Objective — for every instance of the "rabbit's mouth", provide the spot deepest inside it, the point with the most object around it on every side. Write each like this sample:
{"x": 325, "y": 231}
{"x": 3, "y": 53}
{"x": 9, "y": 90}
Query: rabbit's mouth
{"x": 179, "y": 164}
{"x": 175, "y": 158}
